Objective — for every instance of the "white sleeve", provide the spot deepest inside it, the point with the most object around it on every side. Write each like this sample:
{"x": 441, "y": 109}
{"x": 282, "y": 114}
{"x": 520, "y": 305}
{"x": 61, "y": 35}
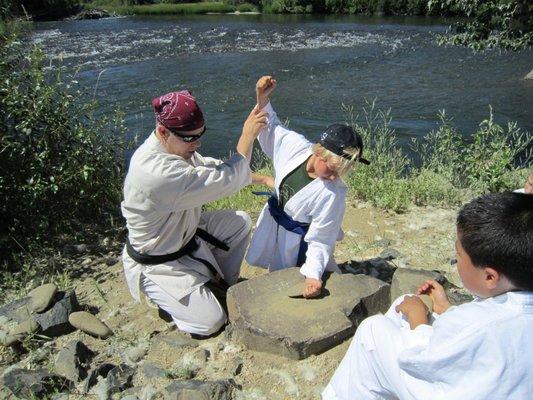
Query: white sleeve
{"x": 272, "y": 133}
{"x": 323, "y": 232}
{"x": 194, "y": 186}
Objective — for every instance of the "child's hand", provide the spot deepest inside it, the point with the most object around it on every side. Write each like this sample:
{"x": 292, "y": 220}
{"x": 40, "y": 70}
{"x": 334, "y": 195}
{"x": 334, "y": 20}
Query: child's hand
{"x": 437, "y": 294}
{"x": 263, "y": 88}
{"x": 414, "y": 309}
{"x": 313, "y": 287}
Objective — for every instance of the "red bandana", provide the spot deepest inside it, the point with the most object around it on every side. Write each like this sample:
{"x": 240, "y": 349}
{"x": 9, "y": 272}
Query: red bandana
{"x": 178, "y": 111}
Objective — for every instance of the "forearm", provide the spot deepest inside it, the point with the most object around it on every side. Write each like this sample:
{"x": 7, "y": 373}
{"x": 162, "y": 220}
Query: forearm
{"x": 259, "y": 179}
{"x": 245, "y": 146}
{"x": 417, "y": 318}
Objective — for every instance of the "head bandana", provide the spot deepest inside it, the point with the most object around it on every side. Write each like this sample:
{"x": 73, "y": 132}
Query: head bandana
{"x": 178, "y": 111}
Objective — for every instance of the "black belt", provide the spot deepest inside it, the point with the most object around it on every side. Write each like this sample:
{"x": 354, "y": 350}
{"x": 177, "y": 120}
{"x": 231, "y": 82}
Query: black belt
{"x": 187, "y": 250}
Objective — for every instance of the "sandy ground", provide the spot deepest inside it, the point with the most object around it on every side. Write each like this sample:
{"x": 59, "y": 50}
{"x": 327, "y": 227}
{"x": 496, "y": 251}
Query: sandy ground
{"x": 424, "y": 236}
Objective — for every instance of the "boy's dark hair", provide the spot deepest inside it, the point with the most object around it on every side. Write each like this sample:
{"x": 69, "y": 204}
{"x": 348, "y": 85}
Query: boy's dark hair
{"x": 496, "y": 230}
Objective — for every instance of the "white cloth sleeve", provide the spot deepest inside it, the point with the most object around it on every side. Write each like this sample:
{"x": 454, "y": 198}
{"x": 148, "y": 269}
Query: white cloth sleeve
{"x": 322, "y": 234}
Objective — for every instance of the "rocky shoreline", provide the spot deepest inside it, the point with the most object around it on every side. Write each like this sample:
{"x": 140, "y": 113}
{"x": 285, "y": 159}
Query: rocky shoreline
{"x": 94, "y": 341}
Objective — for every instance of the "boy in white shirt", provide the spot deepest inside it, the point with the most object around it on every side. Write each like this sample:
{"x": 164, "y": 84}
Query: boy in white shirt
{"x": 476, "y": 351}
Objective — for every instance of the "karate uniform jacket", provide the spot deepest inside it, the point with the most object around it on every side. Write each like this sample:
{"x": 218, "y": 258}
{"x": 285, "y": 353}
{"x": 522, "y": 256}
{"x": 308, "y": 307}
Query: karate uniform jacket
{"x": 163, "y": 198}
{"x": 478, "y": 351}
{"x": 320, "y": 203}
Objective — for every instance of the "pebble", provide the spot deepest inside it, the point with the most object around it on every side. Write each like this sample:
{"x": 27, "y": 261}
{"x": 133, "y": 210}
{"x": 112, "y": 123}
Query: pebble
{"x": 41, "y": 297}
{"x": 88, "y": 323}
{"x": 20, "y": 331}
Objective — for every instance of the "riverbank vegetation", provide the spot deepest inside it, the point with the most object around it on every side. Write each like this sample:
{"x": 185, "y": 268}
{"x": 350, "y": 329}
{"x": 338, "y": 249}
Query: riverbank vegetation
{"x": 62, "y": 168}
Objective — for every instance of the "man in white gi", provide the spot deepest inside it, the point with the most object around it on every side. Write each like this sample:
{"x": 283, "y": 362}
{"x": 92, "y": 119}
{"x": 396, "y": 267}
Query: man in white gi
{"x": 480, "y": 350}
{"x": 300, "y": 224}
{"x": 167, "y": 257}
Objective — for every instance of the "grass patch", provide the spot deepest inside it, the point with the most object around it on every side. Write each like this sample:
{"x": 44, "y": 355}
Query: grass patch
{"x": 168, "y": 8}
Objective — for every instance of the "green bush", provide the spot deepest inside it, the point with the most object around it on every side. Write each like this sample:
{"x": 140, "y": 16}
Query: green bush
{"x": 60, "y": 167}
{"x": 450, "y": 170}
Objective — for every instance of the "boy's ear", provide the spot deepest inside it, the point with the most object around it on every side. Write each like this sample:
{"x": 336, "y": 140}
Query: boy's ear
{"x": 162, "y": 132}
{"x": 492, "y": 278}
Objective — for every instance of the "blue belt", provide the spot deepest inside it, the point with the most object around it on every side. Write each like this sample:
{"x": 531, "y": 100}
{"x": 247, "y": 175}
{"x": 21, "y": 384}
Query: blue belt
{"x": 288, "y": 224}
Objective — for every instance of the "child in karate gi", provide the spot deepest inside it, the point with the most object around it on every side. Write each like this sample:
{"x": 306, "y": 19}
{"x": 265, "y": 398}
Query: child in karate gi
{"x": 482, "y": 350}
{"x": 301, "y": 223}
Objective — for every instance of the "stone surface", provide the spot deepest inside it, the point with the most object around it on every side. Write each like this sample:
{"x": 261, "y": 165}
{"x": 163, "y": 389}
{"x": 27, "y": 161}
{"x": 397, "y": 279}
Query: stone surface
{"x": 92, "y": 378}
{"x": 120, "y": 378}
{"x": 265, "y": 318}
{"x": 177, "y": 341}
{"x": 54, "y": 322}
{"x": 34, "y": 384}
{"x": 150, "y": 371}
{"x": 20, "y": 331}
{"x": 72, "y": 361}
{"x": 200, "y": 390}
{"x": 406, "y": 281}
{"x": 41, "y": 297}
{"x": 17, "y": 310}
{"x": 377, "y": 267}
{"x": 88, "y": 323}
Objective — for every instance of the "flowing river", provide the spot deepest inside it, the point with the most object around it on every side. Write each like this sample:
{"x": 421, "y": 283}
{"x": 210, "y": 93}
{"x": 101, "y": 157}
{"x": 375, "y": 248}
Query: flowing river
{"x": 321, "y": 63}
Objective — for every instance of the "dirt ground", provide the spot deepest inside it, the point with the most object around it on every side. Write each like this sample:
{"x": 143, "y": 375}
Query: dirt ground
{"x": 423, "y": 236}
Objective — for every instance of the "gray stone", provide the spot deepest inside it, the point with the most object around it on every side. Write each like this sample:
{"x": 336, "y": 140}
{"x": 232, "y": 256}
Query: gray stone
{"x": 42, "y": 296}
{"x": 530, "y": 75}
{"x": 200, "y": 390}
{"x": 17, "y": 310}
{"x": 19, "y": 332}
{"x": 390, "y": 254}
{"x": 34, "y": 384}
{"x": 92, "y": 378}
{"x": 377, "y": 267}
{"x": 265, "y": 318}
{"x": 72, "y": 361}
{"x": 88, "y": 323}
{"x": 407, "y": 281}
{"x": 120, "y": 378}
{"x": 150, "y": 371}
{"x": 177, "y": 341}
{"x": 136, "y": 353}
{"x": 54, "y": 322}
{"x": 129, "y": 397}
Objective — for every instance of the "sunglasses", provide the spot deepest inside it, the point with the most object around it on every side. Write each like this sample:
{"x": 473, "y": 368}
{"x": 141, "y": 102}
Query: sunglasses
{"x": 188, "y": 138}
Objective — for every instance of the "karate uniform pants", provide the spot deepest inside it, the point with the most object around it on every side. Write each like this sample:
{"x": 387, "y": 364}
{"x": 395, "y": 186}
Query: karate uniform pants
{"x": 370, "y": 369}
{"x": 200, "y": 312}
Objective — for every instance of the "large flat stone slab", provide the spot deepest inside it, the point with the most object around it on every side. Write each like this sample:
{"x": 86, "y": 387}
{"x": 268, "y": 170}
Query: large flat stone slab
{"x": 265, "y": 318}
{"x": 407, "y": 281}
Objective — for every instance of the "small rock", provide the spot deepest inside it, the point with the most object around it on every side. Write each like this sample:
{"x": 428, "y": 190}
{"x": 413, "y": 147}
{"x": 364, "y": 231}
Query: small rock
{"x": 529, "y": 75}
{"x": 71, "y": 361}
{"x": 18, "y": 333}
{"x": 129, "y": 397}
{"x": 390, "y": 254}
{"x": 54, "y": 322}
{"x": 86, "y": 262}
{"x": 41, "y": 297}
{"x": 17, "y": 310}
{"x": 136, "y": 353}
{"x": 153, "y": 371}
{"x": 100, "y": 371}
{"x": 120, "y": 378}
{"x": 177, "y": 341}
{"x": 236, "y": 366}
{"x": 382, "y": 242}
{"x": 34, "y": 384}
{"x": 88, "y": 323}
{"x": 199, "y": 390}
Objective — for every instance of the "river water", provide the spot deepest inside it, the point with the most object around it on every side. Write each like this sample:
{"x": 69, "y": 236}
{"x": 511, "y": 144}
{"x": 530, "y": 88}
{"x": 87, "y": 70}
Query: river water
{"x": 321, "y": 63}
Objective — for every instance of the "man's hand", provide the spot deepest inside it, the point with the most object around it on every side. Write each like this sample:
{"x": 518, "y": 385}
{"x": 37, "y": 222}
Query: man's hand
{"x": 263, "y": 89}
{"x": 260, "y": 179}
{"x": 313, "y": 287}
{"x": 437, "y": 294}
{"x": 255, "y": 122}
{"x": 414, "y": 309}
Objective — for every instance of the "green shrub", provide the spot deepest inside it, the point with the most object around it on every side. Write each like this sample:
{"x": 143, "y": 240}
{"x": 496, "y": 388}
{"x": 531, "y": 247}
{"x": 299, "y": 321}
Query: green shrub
{"x": 60, "y": 167}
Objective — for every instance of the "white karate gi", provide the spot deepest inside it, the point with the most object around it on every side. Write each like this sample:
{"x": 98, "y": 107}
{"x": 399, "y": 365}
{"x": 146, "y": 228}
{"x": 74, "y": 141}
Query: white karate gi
{"x": 163, "y": 198}
{"x": 481, "y": 350}
{"x": 320, "y": 203}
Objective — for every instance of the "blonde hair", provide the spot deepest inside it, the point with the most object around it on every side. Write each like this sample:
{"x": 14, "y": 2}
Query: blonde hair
{"x": 335, "y": 162}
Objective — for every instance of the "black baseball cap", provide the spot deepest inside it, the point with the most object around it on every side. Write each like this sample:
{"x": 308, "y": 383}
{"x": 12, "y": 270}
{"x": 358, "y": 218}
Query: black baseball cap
{"x": 337, "y": 137}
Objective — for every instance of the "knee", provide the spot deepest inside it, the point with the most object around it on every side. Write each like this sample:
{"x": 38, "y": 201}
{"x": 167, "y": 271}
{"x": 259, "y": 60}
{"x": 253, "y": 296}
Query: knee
{"x": 245, "y": 221}
{"x": 212, "y": 324}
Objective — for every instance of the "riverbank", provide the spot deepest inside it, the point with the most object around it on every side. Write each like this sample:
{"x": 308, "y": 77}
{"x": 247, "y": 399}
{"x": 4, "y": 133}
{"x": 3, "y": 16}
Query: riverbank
{"x": 422, "y": 238}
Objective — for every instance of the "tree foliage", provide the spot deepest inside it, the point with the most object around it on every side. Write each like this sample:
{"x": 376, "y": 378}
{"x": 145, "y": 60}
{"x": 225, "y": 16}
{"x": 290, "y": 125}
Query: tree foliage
{"x": 507, "y": 24}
